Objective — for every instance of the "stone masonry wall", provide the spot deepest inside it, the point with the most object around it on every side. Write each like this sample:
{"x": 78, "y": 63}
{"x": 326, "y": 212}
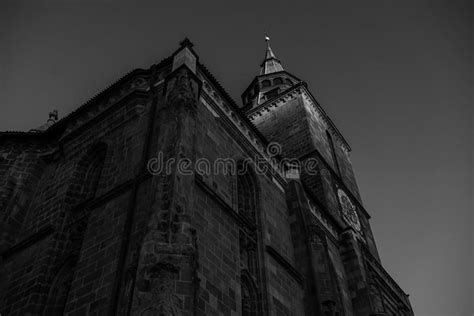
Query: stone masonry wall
{"x": 318, "y": 129}
{"x": 45, "y": 223}
{"x": 218, "y": 230}
{"x": 21, "y": 166}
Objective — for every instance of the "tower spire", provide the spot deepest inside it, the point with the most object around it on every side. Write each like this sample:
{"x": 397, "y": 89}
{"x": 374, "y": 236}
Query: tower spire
{"x": 270, "y": 64}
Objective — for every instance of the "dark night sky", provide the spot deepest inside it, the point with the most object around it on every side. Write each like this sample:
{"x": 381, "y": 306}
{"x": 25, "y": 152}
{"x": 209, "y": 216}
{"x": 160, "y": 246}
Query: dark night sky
{"x": 395, "y": 76}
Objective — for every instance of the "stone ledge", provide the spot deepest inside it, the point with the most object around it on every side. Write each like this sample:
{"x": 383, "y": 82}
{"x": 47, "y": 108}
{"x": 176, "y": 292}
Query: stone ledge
{"x": 28, "y": 241}
{"x": 285, "y": 264}
{"x": 243, "y": 222}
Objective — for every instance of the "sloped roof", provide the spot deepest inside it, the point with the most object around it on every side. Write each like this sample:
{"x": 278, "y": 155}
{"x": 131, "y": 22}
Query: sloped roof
{"x": 59, "y": 126}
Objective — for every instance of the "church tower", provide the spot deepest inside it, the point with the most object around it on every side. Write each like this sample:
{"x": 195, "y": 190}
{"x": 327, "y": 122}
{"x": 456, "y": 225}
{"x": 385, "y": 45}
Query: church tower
{"x": 163, "y": 196}
{"x": 341, "y": 262}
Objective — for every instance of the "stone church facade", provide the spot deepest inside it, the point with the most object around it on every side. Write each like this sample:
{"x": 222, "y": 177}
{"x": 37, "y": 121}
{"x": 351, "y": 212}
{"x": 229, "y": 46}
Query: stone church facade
{"x": 118, "y": 209}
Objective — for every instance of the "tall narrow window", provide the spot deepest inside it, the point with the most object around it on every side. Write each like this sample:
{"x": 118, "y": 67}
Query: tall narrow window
{"x": 247, "y": 201}
{"x": 83, "y": 186}
{"x": 249, "y": 297}
{"x": 247, "y": 194}
{"x": 59, "y": 290}
{"x": 85, "y": 180}
{"x": 333, "y": 153}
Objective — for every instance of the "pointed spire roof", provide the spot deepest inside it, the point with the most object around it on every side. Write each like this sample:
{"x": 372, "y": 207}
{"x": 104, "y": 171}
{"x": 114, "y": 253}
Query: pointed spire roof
{"x": 270, "y": 64}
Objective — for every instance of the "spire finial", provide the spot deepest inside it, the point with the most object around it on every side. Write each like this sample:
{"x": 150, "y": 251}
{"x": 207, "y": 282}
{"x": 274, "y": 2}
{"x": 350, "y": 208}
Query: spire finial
{"x": 270, "y": 63}
{"x": 267, "y": 37}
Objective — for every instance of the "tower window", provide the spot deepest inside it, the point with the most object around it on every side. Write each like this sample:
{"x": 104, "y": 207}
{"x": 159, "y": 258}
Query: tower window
{"x": 333, "y": 153}
{"x": 249, "y": 297}
{"x": 288, "y": 81}
{"x": 266, "y": 83}
{"x": 272, "y": 93}
{"x": 277, "y": 81}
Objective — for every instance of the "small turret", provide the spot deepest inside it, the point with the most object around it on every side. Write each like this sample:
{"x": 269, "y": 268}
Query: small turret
{"x": 53, "y": 118}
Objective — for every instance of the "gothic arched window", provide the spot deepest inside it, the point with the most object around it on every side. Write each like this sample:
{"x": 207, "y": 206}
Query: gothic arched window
{"x": 86, "y": 177}
{"x": 83, "y": 186}
{"x": 266, "y": 83}
{"x": 249, "y": 297}
{"x": 59, "y": 291}
{"x": 247, "y": 194}
{"x": 288, "y": 81}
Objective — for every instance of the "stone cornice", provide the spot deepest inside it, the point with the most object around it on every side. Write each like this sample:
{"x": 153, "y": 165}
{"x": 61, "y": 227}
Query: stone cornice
{"x": 276, "y": 101}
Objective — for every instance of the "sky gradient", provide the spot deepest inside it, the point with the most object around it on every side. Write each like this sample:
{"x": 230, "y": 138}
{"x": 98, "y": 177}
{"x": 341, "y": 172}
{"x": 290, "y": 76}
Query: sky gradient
{"x": 395, "y": 77}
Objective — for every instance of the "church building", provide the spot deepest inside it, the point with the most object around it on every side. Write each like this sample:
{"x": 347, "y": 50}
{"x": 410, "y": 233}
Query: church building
{"x": 164, "y": 196}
